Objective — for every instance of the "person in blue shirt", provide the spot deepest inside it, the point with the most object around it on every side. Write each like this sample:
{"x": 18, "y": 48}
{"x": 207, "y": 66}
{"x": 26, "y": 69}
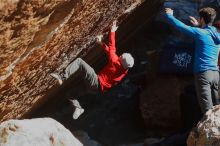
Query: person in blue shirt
{"x": 207, "y": 45}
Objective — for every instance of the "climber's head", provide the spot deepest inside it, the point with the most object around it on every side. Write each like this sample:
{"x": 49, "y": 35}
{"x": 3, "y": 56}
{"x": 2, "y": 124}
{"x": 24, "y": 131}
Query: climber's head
{"x": 207, "y": 16}
{"x": 127, "y": 60}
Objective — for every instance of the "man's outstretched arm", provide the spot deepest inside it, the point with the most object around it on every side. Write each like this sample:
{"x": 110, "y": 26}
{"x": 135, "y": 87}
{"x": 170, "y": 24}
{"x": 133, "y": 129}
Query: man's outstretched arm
{"x": 110, "y": 46}
{"x": 111, "y": 40}
{"x": 178, "y": 24}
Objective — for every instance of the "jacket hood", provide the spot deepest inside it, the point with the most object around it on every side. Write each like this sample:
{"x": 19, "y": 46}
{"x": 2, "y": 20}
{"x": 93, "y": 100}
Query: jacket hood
{"x": 215, "y": 34}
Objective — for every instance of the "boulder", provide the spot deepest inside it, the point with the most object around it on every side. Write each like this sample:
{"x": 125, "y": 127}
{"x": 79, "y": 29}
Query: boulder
{"x": 40, "y": 37}
{"x": 207, "y": 132}
{"x": 36, "y": 132}
{"x": 160, "y": 105}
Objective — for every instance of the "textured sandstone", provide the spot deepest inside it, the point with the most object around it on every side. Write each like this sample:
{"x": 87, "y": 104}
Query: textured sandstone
{"x": 39, "y": 37}
{"x": 36, "y": 132}
{"x": 207, "y": 132}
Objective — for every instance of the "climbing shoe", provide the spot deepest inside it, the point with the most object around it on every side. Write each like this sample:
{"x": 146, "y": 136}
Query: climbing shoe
{"x": 78, "y": 109}
{"x": 59, "y": 77}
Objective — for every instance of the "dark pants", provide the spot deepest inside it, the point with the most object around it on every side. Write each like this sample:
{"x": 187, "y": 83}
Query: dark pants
{"x": 86, "y": 71}
{"x": 207, "y": 89}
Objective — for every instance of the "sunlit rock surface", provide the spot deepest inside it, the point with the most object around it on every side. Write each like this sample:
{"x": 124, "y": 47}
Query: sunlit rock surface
{"x": 207, "y": 132}
{"x": 39, "y": 37}
{"x": 36, "y": 132}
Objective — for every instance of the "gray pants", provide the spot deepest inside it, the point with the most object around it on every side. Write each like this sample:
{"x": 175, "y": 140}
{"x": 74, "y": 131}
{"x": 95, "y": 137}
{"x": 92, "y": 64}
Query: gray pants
{"x": 86, "y": 71}
{"x": 207, "y": 89}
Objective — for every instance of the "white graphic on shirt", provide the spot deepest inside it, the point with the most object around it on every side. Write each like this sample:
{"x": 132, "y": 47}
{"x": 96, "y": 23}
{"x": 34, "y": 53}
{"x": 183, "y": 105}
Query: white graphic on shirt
{"x": 182, "y": 59}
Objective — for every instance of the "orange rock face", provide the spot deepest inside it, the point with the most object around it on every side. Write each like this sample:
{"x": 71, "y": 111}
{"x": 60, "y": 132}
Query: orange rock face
{"x": 41, "y": 36}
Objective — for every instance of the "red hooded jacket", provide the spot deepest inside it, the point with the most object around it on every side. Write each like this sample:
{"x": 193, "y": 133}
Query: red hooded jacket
{"x": 113, "y": 72}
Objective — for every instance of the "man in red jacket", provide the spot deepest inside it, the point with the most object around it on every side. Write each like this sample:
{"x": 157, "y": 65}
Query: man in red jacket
{"x": 113, "y": 72}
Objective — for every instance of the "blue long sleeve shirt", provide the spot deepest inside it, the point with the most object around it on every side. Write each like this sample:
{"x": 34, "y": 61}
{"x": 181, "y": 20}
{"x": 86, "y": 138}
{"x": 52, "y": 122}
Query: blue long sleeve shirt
{"x": 207, "y": 44}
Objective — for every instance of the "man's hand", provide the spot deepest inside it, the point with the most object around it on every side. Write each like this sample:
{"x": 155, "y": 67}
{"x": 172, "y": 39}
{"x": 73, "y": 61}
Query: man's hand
{"x": 169, "y": 11}
{"x": 193, "y": 21}
{"x": 99, "y": 39}
{"x": 114, "y": 26}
